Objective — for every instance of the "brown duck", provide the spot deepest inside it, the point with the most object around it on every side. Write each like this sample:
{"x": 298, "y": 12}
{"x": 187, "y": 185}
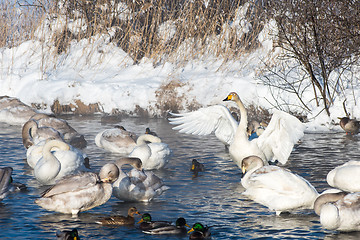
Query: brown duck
{"x": 351, "y": 126}
{"x": 120, "y": 220}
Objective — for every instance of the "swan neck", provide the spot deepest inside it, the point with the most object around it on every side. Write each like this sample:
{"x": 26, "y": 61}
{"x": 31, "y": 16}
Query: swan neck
{"x": 327, "y": 198}
{"x": 147, "y": 138}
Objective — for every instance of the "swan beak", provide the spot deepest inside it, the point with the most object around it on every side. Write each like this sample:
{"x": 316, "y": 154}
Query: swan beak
{"x": 228, "y": 98}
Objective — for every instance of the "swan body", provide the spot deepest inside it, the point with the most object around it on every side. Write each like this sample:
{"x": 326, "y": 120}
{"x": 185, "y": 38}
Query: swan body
{"x": 275, "y": 187}
{"x": 345, "y": 177}
{"x": 120, "y": 220}
{"x": 32, "y": 134}
{"x": 34, "y": 154}
{"x": 55, "y": 165}
{"x": 137, "y": 185}
{"x": 69, "y": 134}
{"x": 153, "y": 153}
{"x": 116, "y": 140}
{"x": 14, "y": 112}
{"x": 339, "y": 211}
{"x": 80, "y": 192}
{"x": 351, "y": 126}
{"x": 275, "y": 142}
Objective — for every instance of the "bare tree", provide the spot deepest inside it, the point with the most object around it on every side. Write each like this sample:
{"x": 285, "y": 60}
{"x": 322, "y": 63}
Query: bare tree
{"x": 323, "y": 36}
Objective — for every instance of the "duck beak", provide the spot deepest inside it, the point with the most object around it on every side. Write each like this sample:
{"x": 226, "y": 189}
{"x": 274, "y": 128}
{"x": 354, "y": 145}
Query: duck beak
{"x": 141, "y": 220}
{"x": 193, "y": 167}
{"x": 137, "y": 213}
{"x": 191, "y": 230}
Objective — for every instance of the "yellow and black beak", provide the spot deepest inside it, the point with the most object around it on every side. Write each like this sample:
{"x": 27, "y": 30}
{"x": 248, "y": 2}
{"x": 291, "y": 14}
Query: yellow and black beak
{"x": 228, "y": 98}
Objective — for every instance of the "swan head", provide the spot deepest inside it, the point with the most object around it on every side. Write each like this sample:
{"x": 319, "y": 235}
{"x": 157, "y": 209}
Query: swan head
{"x": 109, "y": 173}
{"x": 325, "y": 198}
{"x": 133, "y": 161}
{"x": 251, "y": 162}
{"x": 233, "y": 96}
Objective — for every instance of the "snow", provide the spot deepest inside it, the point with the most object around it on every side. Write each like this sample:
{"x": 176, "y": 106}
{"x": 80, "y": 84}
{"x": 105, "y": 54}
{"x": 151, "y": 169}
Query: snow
{"x": 97, "y": 71}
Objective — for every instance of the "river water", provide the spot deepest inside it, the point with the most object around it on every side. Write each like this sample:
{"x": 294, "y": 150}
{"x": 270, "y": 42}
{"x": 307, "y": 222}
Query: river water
{"x": 212, "y": 198}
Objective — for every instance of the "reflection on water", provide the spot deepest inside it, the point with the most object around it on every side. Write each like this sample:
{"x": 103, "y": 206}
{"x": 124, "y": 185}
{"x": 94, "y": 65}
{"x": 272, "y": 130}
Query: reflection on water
{"x": 213, "y": 197}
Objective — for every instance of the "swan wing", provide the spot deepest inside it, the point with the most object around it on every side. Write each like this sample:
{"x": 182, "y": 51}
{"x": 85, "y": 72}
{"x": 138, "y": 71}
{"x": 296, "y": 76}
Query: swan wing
{"x": 214, "y": 119}
{"x": 278, "y": 139}
{"x": 72, "y": 183}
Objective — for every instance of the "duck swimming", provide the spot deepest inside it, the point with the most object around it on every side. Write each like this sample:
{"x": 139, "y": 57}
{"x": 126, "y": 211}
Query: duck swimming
{"x": 120, "y": 220}
{"x": 77, "y": 193}
{"x": 275, "y": 143}
{"x": 276, "y": 188}
{"x": 198, "y": 231}
{"x": 68, "y": 235}
{"x": 146, "y": 223}
{"x": 178, "y": 228}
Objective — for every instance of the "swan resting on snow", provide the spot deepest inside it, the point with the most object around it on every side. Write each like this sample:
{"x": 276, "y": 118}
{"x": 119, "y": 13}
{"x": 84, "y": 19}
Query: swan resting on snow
{"x": 137, "y": 185}
{"x": 153, "y": 153}
{"x": 345, "y": 177}
{"x": 274, "y": 144}
{"x": 80, "y": 192}
{"x": 276, "y": 188}
{"x": 339, "y": 211}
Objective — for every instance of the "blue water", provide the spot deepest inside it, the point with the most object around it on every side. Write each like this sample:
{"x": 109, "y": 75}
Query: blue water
{"x": 212, "y": 198}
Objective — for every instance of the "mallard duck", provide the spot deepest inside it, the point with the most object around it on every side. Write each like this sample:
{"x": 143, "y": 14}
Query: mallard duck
{"x": 198, "y": 231}
{"x": 137, "y": 185}
{"x": 148, "y": 131}
{"x": 275, "y": 143}
{"x": 68, "y": 235}
{"x": 146, "y": 223}
{"x": 178, "y": 228}
{"x": 339, "y": 211}
{"x": 153, "y": 153}
{"x": 69, "y": 134}
{"x": 14, "y": 112}
{"x": 345, "y": 177}
{"x": 350, "y": 126}
{"x": 276, "y": 188}
{"x": 6, "y": 183}
{"x": 55, "y": 165}
{"x": 117, "y": 140}
{"x": 32, "y": 134}
{"x": 196, "y": 167}
{"x": 80, "y": 192}
{"x": 120, "y": 220}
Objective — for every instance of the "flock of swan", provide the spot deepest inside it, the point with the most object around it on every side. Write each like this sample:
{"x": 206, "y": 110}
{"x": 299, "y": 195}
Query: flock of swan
{"x": 54, "y": 152}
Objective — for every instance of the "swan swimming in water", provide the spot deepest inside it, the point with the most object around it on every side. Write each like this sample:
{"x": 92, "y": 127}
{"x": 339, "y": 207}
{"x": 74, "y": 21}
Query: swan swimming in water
{"x": 53, "y": 166}
{"x": 274, "y": 144}
{"x": 14, "y": 112}
{"x": 345, "y": 177}
{"x": 137, "y": 185}
{"x": 116, "y": 140}
{"x": 339, "y": 211}
{"x": 80, "y": 192}
{"x": 153, "y": 153}
{"x": 276, "y": 188}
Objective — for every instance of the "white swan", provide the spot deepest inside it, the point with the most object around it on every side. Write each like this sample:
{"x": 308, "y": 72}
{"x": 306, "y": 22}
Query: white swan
{"x": 345, "y": 177}
{"x": 339, "y": 211}
{"x": 275, "y": 187}
{"x": 32, "y": 134}
{"x": 69, "y": 134}
{"x": 80, "y": 192}
{"x": 14, "y": 112}
{"x": 53, "y": 166}
{"x": 153, "y": 153}
{"x": 34, "y": 153}
{"x": 116, "y": 140}
{"x": 137, "y": 185}
{"x": 275, "y": 143}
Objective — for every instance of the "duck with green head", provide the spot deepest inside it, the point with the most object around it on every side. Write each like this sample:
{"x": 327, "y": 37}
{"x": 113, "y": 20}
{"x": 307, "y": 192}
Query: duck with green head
{"x": 198, "y": 231}
{"x": 68, "y": 235}
{"x": 146, "y": 223}
{"x": 177, "y": 229}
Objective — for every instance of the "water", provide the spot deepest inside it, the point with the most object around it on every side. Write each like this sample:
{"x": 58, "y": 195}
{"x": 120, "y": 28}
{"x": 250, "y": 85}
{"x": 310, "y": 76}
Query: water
{"x": 213, "y": 197}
